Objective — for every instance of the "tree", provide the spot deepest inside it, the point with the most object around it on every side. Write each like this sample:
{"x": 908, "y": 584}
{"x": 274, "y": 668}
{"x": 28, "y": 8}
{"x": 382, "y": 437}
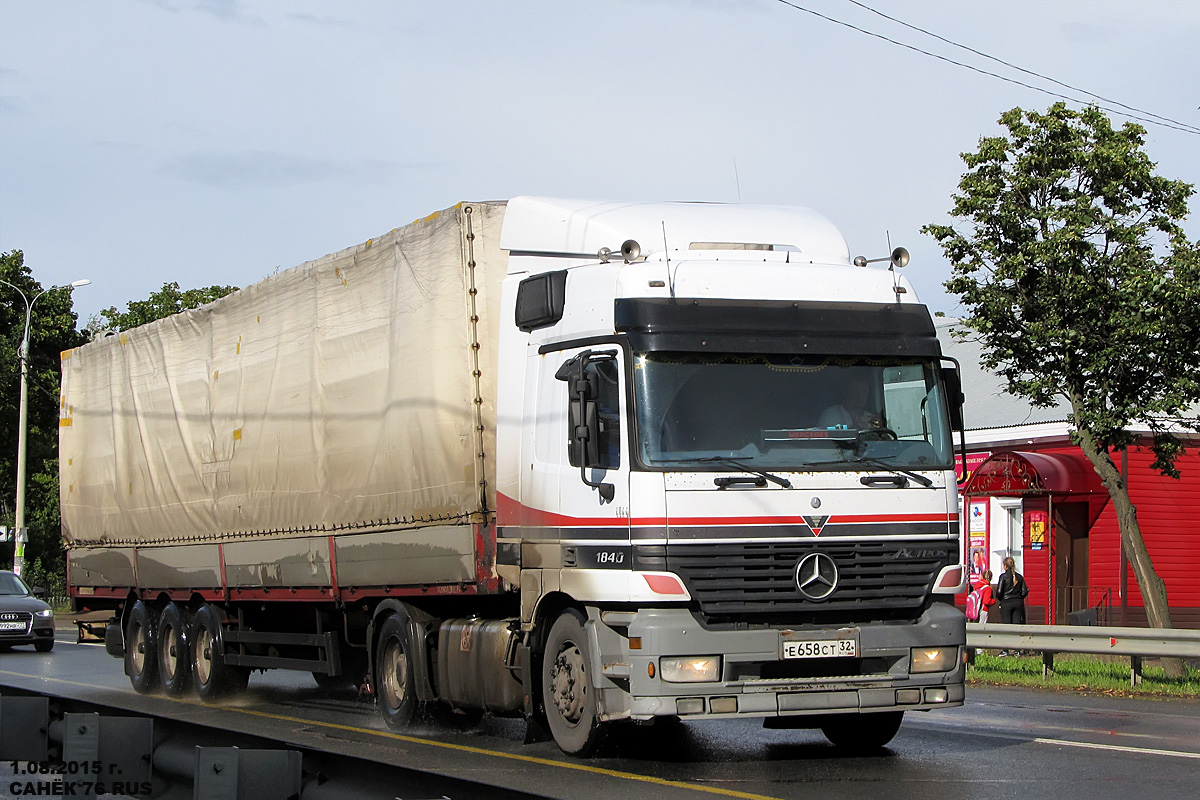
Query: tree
{"x": 166, "y": 301}
{"x": 52, "y": 330}
{"x": 1081, "y": 284}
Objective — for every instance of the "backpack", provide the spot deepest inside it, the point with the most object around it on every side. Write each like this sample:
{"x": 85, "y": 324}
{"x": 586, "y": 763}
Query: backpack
{"x": 974, "y": 602}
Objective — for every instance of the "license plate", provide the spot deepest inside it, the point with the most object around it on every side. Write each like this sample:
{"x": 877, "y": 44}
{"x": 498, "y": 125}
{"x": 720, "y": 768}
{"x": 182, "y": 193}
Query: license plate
{"x": 12, "y": 626}
{"x": 821, "y": 648}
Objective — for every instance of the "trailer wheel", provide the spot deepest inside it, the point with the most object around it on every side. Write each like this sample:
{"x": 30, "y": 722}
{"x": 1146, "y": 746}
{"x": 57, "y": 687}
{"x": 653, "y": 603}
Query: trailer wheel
{"x": 174, "y": 657}
{"x": 141, "y": 651}
{"x": 212, "y": 676}
{"x": 571, "y": 710}
{"x": 862, "y": 732}
{"x": 396, "y": 685}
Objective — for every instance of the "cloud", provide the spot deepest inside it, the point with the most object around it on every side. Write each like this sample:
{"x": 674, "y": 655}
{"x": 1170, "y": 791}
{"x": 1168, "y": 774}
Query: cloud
{"x": 1086, "y": 33}
{"x": 322, "y": 20}
{"x": 227, "y": 10}
{"x": 267, "y": 170}
{"x": 230, "y": 10}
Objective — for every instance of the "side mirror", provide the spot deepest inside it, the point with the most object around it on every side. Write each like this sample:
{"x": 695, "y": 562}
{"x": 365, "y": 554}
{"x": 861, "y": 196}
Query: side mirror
{"x": 952, "y": 380}
{"x": 583, "y": 420}
{"x": 39, "y": 592}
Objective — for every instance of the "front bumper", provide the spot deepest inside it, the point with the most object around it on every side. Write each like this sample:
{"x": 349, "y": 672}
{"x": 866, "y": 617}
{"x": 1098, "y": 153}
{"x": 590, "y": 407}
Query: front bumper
{"x": 755, "y": 680}
{"x": 42, "y": 630}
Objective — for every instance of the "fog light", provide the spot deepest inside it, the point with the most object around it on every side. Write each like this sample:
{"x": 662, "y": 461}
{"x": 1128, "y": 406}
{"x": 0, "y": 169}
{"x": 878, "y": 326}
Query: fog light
{"x": 723, "y": 705}
{"x": 689, "y": 705}
{"x": 697, "y": 669}
{"x": 932, "y": 659}
{"x": 908, "y": 697}
{"x": 935, "y": 695}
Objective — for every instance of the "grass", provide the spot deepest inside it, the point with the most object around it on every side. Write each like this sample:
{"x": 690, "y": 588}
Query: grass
{"x": 1087, "y": 674}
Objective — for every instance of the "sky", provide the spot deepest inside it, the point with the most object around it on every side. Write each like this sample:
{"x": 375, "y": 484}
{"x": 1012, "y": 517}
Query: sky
{"x": 219, "y": 141}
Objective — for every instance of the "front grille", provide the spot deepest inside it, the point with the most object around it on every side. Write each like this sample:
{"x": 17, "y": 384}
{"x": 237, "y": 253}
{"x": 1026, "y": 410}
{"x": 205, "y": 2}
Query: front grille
{"x": 10, "y": 618}
{"x": 877, "y": 580}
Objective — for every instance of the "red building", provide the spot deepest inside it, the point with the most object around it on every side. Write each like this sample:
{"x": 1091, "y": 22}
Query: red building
{"x": 1033, "y": 495}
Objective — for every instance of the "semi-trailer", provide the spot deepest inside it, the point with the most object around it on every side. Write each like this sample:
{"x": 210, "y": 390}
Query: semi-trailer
{"x": 584, "y": 462}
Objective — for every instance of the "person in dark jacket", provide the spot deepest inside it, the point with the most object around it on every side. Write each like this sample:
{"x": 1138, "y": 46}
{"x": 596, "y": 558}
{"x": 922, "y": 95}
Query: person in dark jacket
{"x": 1011, "y": 592}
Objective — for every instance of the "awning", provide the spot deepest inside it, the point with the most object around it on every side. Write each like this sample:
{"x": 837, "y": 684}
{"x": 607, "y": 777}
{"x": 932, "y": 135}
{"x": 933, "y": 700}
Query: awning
{"x": 1022, "y": 474}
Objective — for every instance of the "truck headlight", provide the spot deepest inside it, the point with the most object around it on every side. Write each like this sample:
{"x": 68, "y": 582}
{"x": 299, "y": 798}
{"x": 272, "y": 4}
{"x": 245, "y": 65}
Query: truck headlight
{"x": 694, "y": 669}
{"x": 933, "y": 659}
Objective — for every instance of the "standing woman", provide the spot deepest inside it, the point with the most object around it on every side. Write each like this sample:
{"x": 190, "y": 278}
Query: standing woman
{"x": 1011, "y": 592}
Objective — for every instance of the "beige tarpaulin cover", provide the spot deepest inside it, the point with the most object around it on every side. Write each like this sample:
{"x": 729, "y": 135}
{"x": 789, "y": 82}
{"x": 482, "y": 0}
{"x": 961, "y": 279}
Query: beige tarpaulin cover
{"x": 339, "y": 395}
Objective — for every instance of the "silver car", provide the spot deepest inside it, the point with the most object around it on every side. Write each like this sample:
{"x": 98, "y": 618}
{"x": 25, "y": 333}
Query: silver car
{"x": 24, "y": 618}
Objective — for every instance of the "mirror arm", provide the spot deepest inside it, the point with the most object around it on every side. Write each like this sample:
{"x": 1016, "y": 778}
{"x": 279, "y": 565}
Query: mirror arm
{"x": 607, "y": 490}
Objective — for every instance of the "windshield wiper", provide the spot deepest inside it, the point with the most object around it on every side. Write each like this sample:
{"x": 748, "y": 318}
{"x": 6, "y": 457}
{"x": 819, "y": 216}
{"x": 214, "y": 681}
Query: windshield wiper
{"x": 875, "y": 462}
{"x": 730, "y": 462}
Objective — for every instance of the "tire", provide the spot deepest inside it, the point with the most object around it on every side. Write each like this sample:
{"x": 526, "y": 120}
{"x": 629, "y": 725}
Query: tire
{"x": 211, "y": 676}
{"x": 569, "y": 698}
{"x": 396, "y": 686}
{"x": 44, "y": 647}
{"x": 174, "y": 654}
{"x": 862, "y": 732}
{"x": 141, "y": 650}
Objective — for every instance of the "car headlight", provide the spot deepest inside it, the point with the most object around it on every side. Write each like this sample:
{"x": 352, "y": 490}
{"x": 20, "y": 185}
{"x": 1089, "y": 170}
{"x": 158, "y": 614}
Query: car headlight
{"x": 45, "y": 612}
{"x": 694, "y": 669}
{"x": 933, "y": 659}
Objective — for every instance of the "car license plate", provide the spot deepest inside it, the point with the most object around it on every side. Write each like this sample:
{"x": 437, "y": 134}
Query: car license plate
{"x": 821, "y": 648}
{"x": 12, "y": 626}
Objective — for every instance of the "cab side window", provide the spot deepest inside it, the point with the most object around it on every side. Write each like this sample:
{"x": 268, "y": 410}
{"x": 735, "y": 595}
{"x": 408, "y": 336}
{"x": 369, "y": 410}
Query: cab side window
{"x": 608, "y": 410}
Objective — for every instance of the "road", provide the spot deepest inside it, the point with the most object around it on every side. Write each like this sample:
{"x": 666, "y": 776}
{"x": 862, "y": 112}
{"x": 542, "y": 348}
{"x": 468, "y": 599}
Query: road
{"x": 1002, "y": 743}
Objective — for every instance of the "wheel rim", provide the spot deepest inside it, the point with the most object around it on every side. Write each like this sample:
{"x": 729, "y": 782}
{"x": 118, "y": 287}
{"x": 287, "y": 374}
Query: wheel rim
{"x": 395, "y": 674}
{"x": 568, "y": 683}
{"x": 137, "y": 648}
{"x": 203, "y": 656}
{"x": 169, "y": 657}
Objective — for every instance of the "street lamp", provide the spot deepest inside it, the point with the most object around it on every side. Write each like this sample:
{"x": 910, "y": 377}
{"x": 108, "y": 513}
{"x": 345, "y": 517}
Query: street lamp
{"x": 20, "y": 534}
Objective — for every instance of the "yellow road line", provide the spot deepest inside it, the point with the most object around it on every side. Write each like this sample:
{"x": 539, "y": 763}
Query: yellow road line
{"x": 612, "y": 773}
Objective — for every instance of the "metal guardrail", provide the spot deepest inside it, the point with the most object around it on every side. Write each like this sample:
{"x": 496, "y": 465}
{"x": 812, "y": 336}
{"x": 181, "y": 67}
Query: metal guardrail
{"x": 1136, "y": 643}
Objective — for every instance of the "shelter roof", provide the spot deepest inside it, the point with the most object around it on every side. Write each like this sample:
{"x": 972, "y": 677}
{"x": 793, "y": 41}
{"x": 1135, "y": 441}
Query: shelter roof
{"x": 1026, "y": 473}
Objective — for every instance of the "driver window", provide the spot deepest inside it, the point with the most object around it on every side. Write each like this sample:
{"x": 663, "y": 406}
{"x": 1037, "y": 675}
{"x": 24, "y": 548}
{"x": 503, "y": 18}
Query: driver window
{"x": 608, "y": 410}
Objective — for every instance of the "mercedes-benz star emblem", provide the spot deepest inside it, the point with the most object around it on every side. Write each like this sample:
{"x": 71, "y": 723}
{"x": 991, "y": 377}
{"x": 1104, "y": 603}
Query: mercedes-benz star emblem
{"x": 816, "y": 576}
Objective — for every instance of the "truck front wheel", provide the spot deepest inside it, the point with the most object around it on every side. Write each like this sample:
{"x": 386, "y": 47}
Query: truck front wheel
{"x": 862, "y": 732}
{"x": 141, "y": 650}
{"x": 212, "y": 676}
{"x": 570, "y": 700}
{"x": 174, "y": 657}
{"x": 397, "y": 688}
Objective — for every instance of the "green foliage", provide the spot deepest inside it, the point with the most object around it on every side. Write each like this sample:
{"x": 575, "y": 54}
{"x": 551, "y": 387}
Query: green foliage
{"x": 1082, "y": 673}
{"x": 166, "y": 301}
{"x": 52, "y": 330}
{"x": 50, "y": 577}
{"x": 1078, "y": 278}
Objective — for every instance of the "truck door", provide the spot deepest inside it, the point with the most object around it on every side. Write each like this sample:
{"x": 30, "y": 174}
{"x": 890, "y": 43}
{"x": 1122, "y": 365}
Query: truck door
{"x": 576, "y": 489}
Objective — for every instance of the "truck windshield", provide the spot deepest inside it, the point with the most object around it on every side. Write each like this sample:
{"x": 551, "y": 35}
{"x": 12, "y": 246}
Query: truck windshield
{"x": 784, "y": 412}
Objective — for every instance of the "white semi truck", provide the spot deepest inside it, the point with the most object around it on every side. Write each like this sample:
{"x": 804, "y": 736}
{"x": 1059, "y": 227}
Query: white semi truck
{"x": 587, "y": 462}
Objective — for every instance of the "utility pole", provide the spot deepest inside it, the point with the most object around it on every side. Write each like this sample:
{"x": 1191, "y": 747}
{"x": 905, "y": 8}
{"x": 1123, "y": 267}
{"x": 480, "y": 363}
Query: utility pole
{"x": 20, "y": 532}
